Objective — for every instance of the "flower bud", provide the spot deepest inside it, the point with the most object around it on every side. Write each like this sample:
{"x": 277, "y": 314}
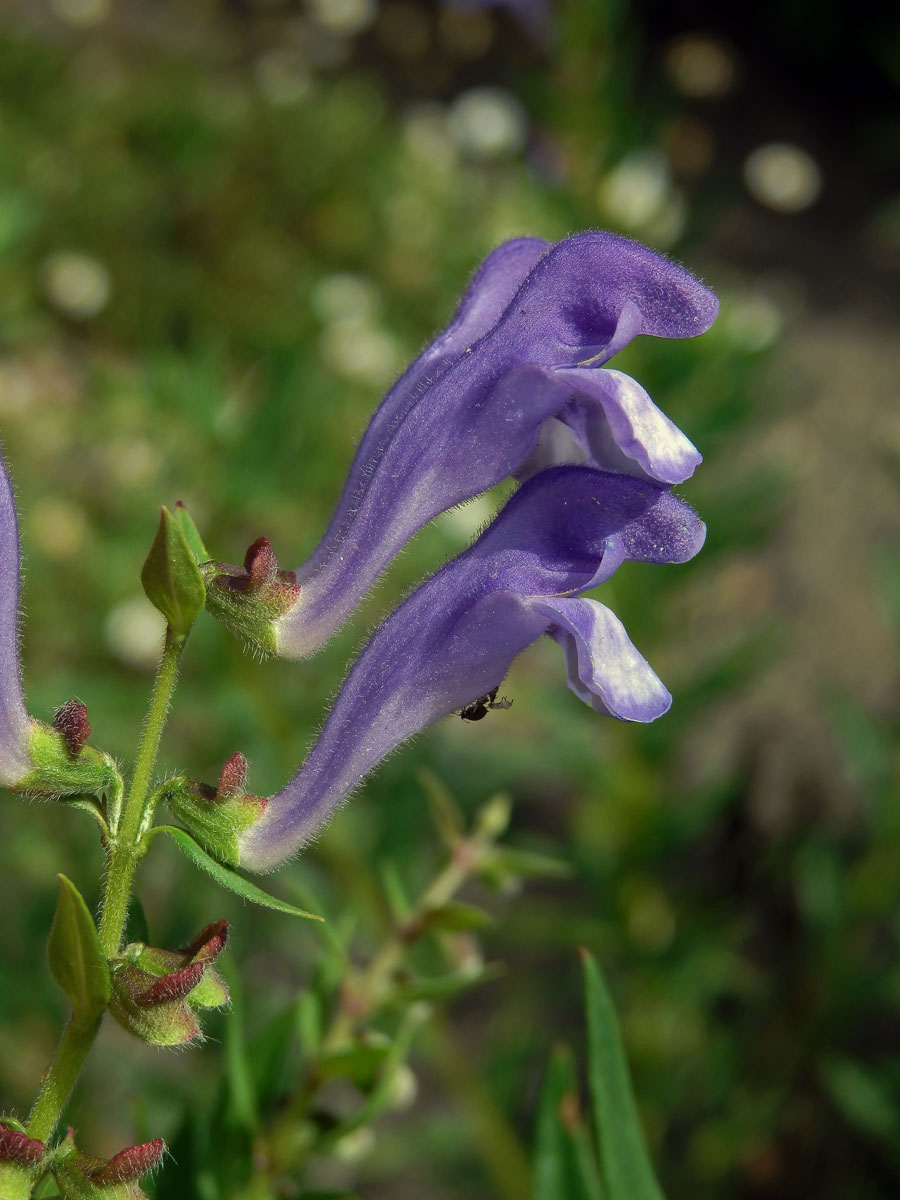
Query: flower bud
{"x": 20, "y": 1157}
{"x": 131, "y": 1163}
{"x": 81, "y": 1176}
{"x": 63, "y": 764}
{"x": 155, "y": 991}
{"x": 170, "y": 575}
{"x": 217, "y": 816}
{"x": 18, "y": 1147}
{"x": 249, "y": 599}
{"x": 72, "y": 722}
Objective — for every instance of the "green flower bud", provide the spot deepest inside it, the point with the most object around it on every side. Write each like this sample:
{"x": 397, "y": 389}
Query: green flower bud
{"x": 155, "y": 992}
{"x": 249, "y": 599}
{"x": 20, "y": 1157}
{"x": 81, "y": 1176}
{"x": 170, "y": 574}
{"x": 217, "y": 816}
{"x": 63, "y": 764}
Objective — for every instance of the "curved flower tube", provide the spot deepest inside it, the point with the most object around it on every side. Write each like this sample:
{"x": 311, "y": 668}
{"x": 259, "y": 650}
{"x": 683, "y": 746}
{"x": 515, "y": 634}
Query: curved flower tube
{"x": 15, "y": 761}
{"x": 41, "y": 759}
{"x": 451, "y": 642}
{"x": 526, "y": 349}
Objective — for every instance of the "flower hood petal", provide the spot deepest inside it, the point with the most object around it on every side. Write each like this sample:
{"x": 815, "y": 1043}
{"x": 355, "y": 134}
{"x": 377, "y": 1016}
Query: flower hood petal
{"x": 527, "y": 346}
{"x": 452, "y": 640}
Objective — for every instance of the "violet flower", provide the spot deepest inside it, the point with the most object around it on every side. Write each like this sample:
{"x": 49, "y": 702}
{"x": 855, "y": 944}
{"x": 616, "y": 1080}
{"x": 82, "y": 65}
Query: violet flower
{"x": 451, "y": 642}
{"x": 44, "y": 760}
{"x": 15, "y": 761}
{"x": 523, "y": 357}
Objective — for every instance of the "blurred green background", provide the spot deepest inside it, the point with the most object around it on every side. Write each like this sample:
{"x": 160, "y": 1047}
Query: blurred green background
{"x": 224, "y": 228}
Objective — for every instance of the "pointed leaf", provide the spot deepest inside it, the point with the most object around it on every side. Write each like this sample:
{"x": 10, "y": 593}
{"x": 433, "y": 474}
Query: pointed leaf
{"x": 171, "y": 577}
{"x": 359, "y": 1062}
{"x": 564, "y": 1163}
{"x": 627, "y": 1171}
{"x": 227, "y": 878}
{"x": 456, "y": 917}
{"x": 398, "y": 901}
{"x": 445, "y": 812}
{"x": 191, "y": 533}
{"x": 442, "y": 987}
{"x": 76, "y": 960}
{"x": 242, "y": 1109}
{"x": 526, "y": 864}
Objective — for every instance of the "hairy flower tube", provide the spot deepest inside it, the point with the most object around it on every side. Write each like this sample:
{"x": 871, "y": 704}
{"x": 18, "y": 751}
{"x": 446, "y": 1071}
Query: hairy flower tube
{"x": 38, "y": 758}
{"x": 524, "y": 356}
{"x": 15, "y": 761}
{"x": 451, "y": 642}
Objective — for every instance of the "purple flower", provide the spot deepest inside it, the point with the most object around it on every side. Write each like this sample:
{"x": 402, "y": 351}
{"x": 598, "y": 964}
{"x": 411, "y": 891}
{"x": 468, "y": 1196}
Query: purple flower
{"x": 522, "y": 362}
{"x": 451, "y": 642}
{"x": 46, "y": 760}
{"x": 15, "y": 761}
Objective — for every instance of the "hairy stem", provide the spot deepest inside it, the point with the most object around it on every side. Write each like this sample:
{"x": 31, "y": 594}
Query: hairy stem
{"x": 123, "y": 857}
{"x": 68, "y": 1060}
{"x": 123, "y": 852}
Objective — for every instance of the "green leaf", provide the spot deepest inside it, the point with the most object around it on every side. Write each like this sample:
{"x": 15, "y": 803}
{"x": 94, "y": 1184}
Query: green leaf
{"x": 46, "y": 1189}
{"x": 242, "y": 1105}
{"x": 398, "y": 901}
{"x": 227, "y": 878}
{"x": 442, "y": 987}
{"x": 445, "y": 812}
{"x": 455, "y": 917}
{"x": 527, "y": 864}
{"x": 627, "y": 1172}
{"x": 171, "y": 577}
{"x": 185, "y": 523}
{"x": 862, "y": 1097}
{"x": 564, "y": 1164}
{"x": 76, "y": 960}
{"x": 359, "y": 1062}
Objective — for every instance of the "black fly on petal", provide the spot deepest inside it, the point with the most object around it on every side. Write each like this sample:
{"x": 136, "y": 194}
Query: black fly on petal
{"x": 478, "y": 709}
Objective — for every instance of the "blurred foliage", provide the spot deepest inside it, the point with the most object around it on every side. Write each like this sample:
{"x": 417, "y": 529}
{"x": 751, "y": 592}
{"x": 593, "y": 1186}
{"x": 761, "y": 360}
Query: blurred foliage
{"x": 223, "y": 229}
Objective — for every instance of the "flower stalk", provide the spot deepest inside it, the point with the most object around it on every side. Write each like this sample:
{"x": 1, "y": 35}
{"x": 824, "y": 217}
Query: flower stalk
{"x": 123, "y": 855}
{"x": 124, "y": 851}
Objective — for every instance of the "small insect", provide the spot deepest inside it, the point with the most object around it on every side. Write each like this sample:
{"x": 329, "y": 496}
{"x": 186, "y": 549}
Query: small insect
{"x": 478, "y": 709}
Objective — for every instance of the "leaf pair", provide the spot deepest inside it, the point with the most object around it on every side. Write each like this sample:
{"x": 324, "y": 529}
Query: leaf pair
{"x": 74, "y": 953}
{"x": 566, "y": 1158}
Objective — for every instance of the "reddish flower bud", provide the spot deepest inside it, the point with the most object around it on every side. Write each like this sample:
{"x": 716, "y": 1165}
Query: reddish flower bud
{"x": 72, "y": 722}
{"x": 248, "y": 599}
{"x": 209, "y": 942}
{"x": 155, "y": 991}
{"x": 174, "y": 986}
{"x": 233, "y": 776}
{"x": 217, "y": 816}
{"x": 17, "y": 1147}
{"x": 260, "y": 563}
{"x": 131, "y": 1163}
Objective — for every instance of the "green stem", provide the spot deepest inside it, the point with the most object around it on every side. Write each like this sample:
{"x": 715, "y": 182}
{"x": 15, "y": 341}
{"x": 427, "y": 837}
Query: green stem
{"x": 124, "y": 854}
{"x": 123, "y": 857}
{"x": 68, "y": 1060}
{"x": 281, "y": 1149}
{"x": 364, "y": 993}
